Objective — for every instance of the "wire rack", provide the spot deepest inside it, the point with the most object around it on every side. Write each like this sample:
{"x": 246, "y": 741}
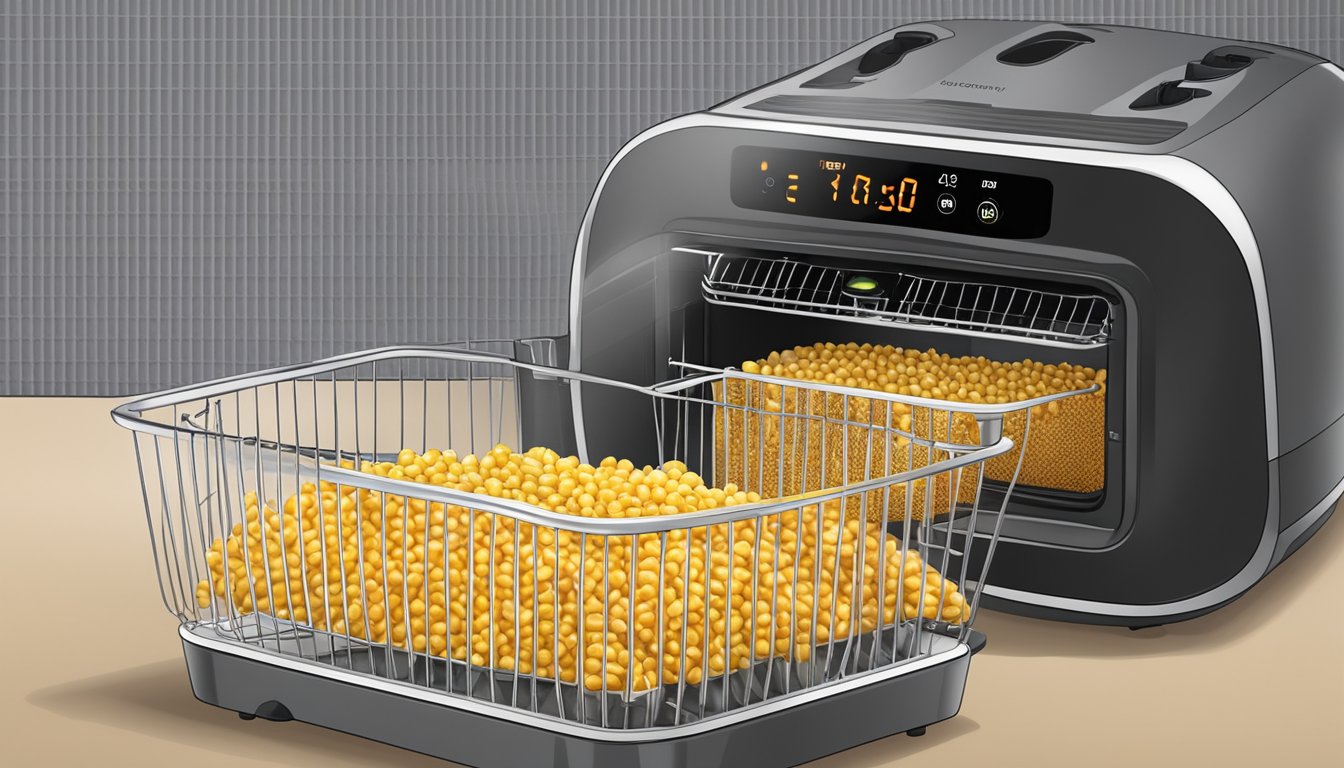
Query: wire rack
{"x": 267, "y": 535}
{"x": 789, "y": 285}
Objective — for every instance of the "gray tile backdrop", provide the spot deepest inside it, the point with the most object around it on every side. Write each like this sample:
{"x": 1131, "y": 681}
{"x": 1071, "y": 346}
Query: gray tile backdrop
{"x": 189, "y": 189}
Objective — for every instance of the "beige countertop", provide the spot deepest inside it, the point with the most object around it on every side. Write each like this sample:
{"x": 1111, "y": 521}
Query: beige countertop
{"x": 97, "y": 675}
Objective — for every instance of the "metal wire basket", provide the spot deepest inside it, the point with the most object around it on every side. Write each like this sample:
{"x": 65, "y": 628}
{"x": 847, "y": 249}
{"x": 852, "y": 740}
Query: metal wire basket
{"x": 291, "y": 570}
{"x": 983, "y": 309}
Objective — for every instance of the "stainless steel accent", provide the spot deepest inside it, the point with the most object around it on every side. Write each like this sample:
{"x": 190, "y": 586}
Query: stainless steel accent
{"x": 268, "y": 539}
{"x": 1266, "y": 555}
{"x": 1288, "y": 537}
{"x": 982, "y": 308}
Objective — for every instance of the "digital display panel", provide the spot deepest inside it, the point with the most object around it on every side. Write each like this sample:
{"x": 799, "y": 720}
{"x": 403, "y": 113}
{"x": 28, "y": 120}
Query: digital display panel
{"x": 889, "y": 191}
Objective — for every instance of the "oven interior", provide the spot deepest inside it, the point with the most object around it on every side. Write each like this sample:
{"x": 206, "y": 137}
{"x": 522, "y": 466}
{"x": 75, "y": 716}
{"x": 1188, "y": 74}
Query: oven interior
{"x": 723, "y": 305}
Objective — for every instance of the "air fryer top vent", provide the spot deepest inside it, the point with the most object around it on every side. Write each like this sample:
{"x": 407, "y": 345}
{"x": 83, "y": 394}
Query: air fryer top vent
{"x": 1048, "y": 83}
{"x": 902, "y": 298}
{"x": 1043, "y": 48}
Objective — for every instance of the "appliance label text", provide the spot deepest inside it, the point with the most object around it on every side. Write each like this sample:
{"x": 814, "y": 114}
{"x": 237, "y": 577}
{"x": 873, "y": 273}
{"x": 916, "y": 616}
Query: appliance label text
{"x": 975, "y": 86}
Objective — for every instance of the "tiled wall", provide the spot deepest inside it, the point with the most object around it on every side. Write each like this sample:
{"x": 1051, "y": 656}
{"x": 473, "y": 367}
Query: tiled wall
{"x": 191, "y": 188}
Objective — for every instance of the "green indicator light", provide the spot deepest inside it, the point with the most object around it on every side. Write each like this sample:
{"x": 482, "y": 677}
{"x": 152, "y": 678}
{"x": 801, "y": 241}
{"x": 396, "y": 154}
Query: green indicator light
{"x": 861, "y": 284}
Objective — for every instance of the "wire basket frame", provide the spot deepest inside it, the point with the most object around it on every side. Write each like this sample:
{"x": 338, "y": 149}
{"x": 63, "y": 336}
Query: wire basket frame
{"x": 266, "y": 533}
{"x": 798, "y": 287}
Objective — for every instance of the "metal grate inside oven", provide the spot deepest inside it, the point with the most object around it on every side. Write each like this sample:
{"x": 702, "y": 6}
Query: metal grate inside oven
{"x": 980, "y": 308}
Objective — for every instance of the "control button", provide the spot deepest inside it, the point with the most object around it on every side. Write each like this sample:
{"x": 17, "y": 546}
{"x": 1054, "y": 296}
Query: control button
{"x": 988, "y": 212}
{"x": 946, "y": 203}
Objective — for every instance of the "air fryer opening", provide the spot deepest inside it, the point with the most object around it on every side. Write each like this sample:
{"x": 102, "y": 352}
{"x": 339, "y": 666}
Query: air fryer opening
{"x": 757, "y": 303}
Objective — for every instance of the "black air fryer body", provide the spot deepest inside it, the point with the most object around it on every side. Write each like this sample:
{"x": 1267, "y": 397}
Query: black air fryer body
{"x": 1195, "y": 183}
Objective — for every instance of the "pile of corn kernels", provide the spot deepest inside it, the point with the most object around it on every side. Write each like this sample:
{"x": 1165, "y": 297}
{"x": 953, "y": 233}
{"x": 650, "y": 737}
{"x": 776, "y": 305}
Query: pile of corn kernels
{"x": 1066, "y": 449}
{"x": 616, "y": 611}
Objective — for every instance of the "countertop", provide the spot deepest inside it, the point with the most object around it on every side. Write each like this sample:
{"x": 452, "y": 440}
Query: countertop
{"x": 97, "y": 676}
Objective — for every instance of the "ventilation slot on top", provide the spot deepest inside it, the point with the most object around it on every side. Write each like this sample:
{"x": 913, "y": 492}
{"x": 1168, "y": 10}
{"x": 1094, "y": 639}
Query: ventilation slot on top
{"x": 892, "y": 51}
{"x": 1042, "y": 48}
{"x": 901, "y": 298}
{"x": 1222, "y": 62}
{"x": 879, "y": 58}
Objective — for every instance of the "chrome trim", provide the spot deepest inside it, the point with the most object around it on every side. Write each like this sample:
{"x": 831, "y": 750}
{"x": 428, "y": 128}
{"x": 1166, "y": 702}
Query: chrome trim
{"x": 1290, "y": 534}
{"x": 595, "y": 733}
{"x": 1265, "y": 557}
{"x": 1182, "y": 173}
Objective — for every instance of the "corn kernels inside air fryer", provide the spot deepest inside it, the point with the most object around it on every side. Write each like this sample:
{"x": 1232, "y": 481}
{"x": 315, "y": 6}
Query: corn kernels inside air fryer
{"x": 1066, "y": 449}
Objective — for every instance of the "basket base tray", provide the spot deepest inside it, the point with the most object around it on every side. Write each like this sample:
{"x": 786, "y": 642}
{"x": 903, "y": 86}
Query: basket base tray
{"x": 786, "y": 737}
